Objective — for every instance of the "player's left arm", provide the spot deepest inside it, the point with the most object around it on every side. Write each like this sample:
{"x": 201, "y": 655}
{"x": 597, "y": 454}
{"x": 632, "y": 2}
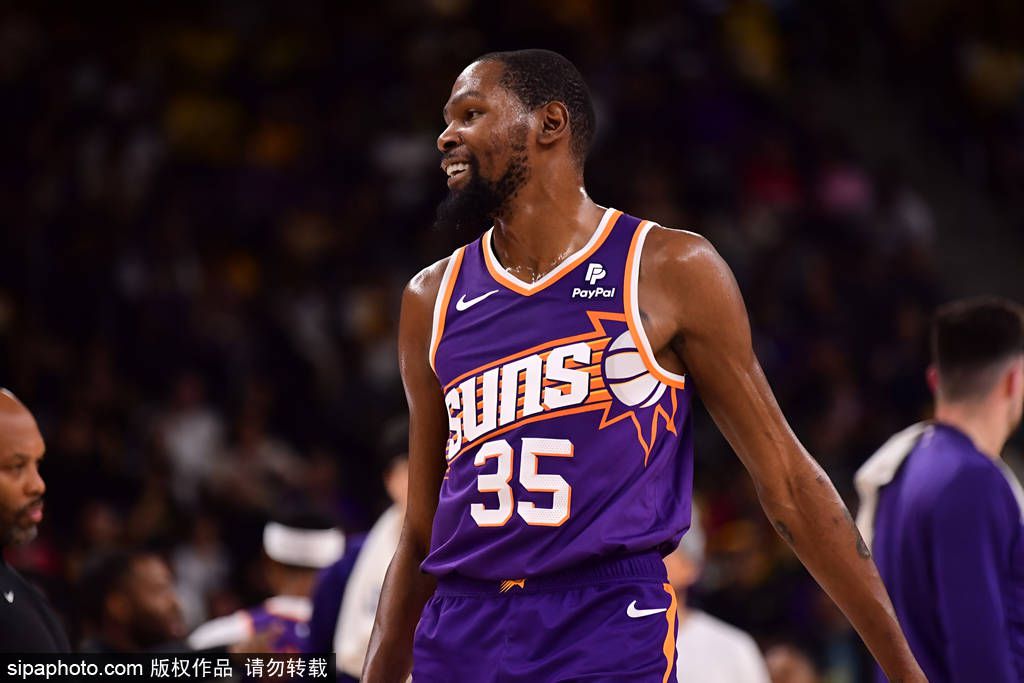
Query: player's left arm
{"x": 695, "y": 311}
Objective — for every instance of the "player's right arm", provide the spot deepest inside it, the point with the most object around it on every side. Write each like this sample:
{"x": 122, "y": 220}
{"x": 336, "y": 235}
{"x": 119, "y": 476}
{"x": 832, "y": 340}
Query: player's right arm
{"x": 407, "y": 589}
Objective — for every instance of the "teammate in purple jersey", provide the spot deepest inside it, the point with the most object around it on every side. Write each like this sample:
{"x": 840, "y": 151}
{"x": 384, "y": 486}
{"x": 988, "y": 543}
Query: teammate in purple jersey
{"x": 946, "y": 513}
{"x": 549, "y": 368}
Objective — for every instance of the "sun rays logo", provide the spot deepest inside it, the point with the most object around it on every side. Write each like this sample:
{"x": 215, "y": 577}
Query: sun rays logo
{"x": 599, "y": 370}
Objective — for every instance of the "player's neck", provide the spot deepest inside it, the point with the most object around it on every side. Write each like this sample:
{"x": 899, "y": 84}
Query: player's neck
{"x": 546, "y": 223}
{"x": 985, "y": 426}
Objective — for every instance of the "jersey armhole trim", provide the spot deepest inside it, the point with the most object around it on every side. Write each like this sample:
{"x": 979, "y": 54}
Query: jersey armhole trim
{"x": 444, "y": 297}
{"x": 632, "y": 306}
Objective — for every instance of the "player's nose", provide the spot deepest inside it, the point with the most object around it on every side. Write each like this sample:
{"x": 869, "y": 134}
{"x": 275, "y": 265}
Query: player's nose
{"x": 448, "y": 139}
{"x": 35, "y": 486}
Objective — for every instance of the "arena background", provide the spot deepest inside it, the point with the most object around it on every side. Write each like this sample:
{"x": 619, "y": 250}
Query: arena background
{"x": 208, "y": 215}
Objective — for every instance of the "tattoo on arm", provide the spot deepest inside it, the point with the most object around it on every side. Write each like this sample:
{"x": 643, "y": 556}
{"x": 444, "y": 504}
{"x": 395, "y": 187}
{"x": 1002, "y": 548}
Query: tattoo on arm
{"x": 862, "y": 547}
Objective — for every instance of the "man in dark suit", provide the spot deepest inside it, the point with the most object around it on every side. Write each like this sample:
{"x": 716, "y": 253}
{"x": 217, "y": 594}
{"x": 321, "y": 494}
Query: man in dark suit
{"x": 27, "y": 622}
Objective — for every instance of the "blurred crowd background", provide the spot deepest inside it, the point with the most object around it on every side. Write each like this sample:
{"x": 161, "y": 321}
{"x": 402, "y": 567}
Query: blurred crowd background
{"x": 208, "y": 213}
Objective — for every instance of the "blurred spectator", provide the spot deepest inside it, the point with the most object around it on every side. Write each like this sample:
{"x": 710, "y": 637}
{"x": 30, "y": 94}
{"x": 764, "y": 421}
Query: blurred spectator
{"x": 358, "y": 607}
{"x": 192, "y": 435}
{"x": 258, "y": 471}
{"x": 709, "y": 650}
{"x": 128, "y": 604}
{"x": 789, "y": 664}
{"x": 296, "y": 548}
{"x": 202, "y": 567}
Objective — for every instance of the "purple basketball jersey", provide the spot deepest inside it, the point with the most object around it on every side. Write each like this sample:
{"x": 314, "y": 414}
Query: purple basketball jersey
{"x": 568, "y": 442}
{"x": 289, "y": 616}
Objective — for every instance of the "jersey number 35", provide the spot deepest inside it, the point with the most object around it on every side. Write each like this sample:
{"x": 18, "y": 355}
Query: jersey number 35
{"x": 531, "y": 480}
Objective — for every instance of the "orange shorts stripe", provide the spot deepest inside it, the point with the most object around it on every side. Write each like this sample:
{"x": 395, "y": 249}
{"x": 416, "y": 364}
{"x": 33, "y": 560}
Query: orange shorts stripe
{"x": 670, "y": 637}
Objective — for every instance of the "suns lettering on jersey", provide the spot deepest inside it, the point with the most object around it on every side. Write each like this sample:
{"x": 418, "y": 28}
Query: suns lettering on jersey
{"x": 563, "y": 376}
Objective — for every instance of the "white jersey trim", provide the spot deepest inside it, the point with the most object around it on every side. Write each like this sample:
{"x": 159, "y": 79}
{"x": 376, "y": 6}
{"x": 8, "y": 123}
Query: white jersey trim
{"x": 632, "y": 306}
{"x": 444, "y": 296}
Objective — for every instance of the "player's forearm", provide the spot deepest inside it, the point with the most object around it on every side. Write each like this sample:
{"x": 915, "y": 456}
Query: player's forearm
{"x": 406, "y": 590}
{"x": 809, "y": 514}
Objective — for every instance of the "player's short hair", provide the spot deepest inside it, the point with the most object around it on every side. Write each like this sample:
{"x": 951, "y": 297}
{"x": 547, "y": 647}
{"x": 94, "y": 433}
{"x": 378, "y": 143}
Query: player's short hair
{"x": 971, "y": 341}
{"x": 538, "y": 77}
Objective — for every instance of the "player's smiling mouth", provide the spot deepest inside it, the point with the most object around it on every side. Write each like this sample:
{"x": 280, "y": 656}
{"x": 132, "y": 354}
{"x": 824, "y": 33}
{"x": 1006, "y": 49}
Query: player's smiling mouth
{"x": 457, "y": 171}
{"x": 456, "y": 168}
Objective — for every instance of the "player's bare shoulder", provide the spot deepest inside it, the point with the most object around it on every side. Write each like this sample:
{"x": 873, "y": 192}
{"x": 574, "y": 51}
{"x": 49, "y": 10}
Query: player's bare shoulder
{"x": 673, "y": 254}
{"x": 687, "y": 290}
{"x": 418, "y": 302}
{"x": 422, "y": 288}
{"x": 681, "y": 272}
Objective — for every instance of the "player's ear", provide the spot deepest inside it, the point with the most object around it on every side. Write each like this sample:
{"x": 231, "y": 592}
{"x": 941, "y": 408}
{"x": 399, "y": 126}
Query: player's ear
{"x": 554, "y": 123}
{"x": 1014, "y": 378}
{"x": 931, "y": 376}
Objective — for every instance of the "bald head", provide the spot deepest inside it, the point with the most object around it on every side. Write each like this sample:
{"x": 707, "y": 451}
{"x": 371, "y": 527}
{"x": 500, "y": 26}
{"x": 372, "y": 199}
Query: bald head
{"x": 21, "y": 487}
{"x": 12, "y": 409}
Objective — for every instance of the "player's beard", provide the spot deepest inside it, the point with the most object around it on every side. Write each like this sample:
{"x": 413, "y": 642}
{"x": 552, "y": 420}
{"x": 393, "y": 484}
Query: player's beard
{"x": 475, "y": 206}
{"x": 11, "y": 533}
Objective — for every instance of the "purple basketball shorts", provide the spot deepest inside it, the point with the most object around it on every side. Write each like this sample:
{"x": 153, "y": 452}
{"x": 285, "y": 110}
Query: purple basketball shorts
{"x": 611, "y": 620}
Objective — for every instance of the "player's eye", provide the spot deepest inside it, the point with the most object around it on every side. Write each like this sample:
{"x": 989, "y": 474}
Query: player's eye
{"x": 472, "y": 114}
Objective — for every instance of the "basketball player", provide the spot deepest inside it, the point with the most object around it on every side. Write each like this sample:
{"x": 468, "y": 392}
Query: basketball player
{"x": 943, "y": 512}
{"x": 549, "y": 368}
{"x": 297, "y": 547}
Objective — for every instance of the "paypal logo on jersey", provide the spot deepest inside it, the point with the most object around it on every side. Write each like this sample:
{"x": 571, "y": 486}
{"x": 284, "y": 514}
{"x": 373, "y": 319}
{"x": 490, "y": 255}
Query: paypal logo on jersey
{"x": 595, "y": 272}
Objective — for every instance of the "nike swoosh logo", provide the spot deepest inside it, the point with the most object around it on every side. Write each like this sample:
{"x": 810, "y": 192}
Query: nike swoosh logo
{"x": 462, "y": 304}
{"x": 635, "y": 613}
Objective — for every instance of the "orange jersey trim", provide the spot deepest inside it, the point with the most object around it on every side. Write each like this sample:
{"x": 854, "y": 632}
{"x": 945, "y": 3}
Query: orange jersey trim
{"x": 636, "y": 326}
{"x": 502, "y": 276}
{"x": 669, "y": 646}
{"x": 444, "y": 297}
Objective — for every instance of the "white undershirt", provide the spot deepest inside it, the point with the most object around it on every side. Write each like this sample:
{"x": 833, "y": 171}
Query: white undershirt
{"x": 712, "y": 651}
